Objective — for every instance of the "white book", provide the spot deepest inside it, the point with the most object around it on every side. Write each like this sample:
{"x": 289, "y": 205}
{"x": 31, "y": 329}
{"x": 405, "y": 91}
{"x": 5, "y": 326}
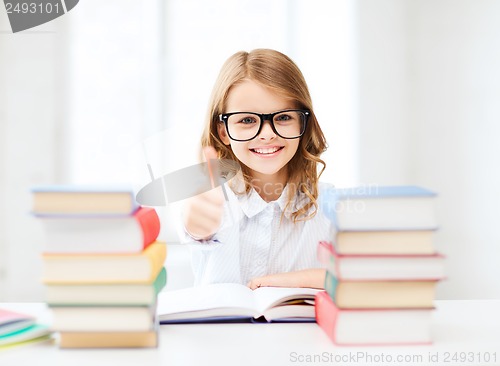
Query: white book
{"x": 381, "y": 208}
{"x": 103, "y": 319}
{"x": 105, "y": 294}
{"x": 230, "y": 301}
{"x": 100, "y": 234}
{"x": 381, "y": 267}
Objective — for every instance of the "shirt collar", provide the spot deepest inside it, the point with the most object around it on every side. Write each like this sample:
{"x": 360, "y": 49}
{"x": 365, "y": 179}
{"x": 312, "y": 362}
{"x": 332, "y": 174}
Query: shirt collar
{"x": 252, "y": 203}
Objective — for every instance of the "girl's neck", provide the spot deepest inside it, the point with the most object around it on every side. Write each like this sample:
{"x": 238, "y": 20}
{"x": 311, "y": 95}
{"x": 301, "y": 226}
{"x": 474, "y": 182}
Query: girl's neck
{"x": 269, "y": 187}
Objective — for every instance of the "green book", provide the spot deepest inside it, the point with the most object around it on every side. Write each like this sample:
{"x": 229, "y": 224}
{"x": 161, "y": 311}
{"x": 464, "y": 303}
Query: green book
{"x": 33, "y": 333}
{"x": 106, "y": 294}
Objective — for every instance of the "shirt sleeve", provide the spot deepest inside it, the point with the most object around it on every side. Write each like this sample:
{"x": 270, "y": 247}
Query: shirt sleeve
{"x": 196, "y": 244}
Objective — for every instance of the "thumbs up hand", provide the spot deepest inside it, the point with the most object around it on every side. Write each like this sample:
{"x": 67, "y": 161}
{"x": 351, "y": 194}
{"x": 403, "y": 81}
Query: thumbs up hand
{"x": 203, "y": 213}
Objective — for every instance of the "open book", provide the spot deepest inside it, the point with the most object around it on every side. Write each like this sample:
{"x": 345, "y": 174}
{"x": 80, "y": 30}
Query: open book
{"x": 230, "y": 302}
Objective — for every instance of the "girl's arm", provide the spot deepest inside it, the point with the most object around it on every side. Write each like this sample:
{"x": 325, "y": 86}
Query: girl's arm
{"x": 314, "y": 278}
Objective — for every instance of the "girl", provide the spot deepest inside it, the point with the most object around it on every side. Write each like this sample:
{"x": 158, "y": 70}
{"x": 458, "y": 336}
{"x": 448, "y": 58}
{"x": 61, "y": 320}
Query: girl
{"x": 267, "y": 231}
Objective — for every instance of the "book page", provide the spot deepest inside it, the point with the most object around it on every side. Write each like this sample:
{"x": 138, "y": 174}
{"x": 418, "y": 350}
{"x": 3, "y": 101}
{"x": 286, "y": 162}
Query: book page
{"x": 289, "y": 312}
{"x": 224, "y": 296}
{"x": 268, "y": 297}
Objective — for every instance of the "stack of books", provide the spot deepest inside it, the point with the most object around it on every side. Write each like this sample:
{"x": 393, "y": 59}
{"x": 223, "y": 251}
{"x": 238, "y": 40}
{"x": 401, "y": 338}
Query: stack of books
{"x": 102, "y": 266}
{"x": 18, "y": 329}
{"x": 382, "y": 267}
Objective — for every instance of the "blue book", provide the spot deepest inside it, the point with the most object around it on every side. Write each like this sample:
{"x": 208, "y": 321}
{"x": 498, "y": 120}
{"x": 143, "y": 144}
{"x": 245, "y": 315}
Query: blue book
{"x": 380, "y": 208}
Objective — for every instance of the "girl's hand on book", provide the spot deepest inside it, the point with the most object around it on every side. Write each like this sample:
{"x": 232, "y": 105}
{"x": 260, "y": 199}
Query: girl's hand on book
{"x": 203, "y": 213}
{"x": 314, "y": 278}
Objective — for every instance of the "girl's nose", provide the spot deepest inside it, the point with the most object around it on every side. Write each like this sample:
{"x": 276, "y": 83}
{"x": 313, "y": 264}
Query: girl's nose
{"x": 267, "y": 133}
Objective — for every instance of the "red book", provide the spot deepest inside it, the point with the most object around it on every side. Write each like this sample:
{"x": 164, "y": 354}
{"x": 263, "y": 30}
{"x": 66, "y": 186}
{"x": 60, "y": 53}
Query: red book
{"x": 378, "y": 267}
{"x": 372, "y": 327}
{"x": 101, "y": 234}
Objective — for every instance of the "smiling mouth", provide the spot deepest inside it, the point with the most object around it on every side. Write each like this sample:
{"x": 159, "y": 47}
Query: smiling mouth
{"x": 267, "y": 151}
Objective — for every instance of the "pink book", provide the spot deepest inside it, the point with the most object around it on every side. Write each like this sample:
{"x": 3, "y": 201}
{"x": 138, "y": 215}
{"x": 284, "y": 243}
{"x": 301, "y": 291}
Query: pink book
{"x": 372, "y": 327}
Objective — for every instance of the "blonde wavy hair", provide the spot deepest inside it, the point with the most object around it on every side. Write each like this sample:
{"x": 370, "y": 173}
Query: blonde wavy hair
{"x": 281, "y": 75}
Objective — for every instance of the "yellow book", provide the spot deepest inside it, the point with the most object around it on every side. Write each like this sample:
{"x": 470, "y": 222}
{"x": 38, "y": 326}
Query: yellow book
{"x": 141, "y": 267}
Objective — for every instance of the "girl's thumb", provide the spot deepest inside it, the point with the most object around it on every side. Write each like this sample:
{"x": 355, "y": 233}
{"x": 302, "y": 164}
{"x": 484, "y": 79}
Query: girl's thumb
{"x": 211, "y": 158}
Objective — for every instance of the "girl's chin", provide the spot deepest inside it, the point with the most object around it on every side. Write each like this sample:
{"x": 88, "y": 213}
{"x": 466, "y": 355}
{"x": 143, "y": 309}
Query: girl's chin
{"x": 270, "y": 171}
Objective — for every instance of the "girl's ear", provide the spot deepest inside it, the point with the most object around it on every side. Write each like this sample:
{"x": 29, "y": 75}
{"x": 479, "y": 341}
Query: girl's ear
{"x": 221, "y": 129}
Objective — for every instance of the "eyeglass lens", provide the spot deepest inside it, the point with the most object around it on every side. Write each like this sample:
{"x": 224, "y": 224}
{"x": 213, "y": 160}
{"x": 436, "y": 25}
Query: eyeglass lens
{"x": 245, "y": 126}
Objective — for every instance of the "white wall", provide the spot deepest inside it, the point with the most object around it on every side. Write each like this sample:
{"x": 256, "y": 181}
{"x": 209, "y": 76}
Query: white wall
{"x": 30, "y": 116}
{"x": 383, "y": 40}
{"x": 428, "y": 86}
{"x": 429, "y": 81}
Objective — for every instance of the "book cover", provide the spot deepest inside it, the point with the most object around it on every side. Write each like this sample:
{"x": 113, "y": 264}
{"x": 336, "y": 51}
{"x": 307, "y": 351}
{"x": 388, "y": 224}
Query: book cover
{"x": 117, "y": 268}
{"x": 372, "y": 327}
{"x": 113, "y": 234}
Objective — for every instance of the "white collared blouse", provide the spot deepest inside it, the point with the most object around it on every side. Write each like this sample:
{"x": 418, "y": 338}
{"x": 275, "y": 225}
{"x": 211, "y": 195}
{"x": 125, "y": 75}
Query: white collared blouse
{"x": 255, "y": 240}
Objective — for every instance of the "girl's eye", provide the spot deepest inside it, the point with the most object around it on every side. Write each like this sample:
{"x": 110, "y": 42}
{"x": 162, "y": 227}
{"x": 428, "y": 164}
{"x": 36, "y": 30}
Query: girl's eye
{"x": 248, "y": 120}
{"x": 283, "y": 117}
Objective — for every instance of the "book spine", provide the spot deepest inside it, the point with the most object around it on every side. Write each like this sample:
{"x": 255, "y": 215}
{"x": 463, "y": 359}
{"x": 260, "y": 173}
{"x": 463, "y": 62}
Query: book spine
{"x": 156, "y": 255}
{"x": 150, "y": 224}
{"x": 147, "y": 339}
{"x": 160, "y": 281}
{"x": 328, "y": 257}
{"x": 326, "y": 314}
{"x": 331, "y": 285}
{"x": 324, "y": 251}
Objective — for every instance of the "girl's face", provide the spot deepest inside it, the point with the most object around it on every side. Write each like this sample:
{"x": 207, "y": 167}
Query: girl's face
{"x": 267, "y": 154}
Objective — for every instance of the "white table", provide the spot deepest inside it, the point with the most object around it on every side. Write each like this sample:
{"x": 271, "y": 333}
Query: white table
{"x": 470, "y": 326}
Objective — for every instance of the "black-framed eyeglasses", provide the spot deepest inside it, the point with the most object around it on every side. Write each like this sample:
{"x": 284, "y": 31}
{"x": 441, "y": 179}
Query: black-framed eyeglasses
{"x": 245, "y": 126}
